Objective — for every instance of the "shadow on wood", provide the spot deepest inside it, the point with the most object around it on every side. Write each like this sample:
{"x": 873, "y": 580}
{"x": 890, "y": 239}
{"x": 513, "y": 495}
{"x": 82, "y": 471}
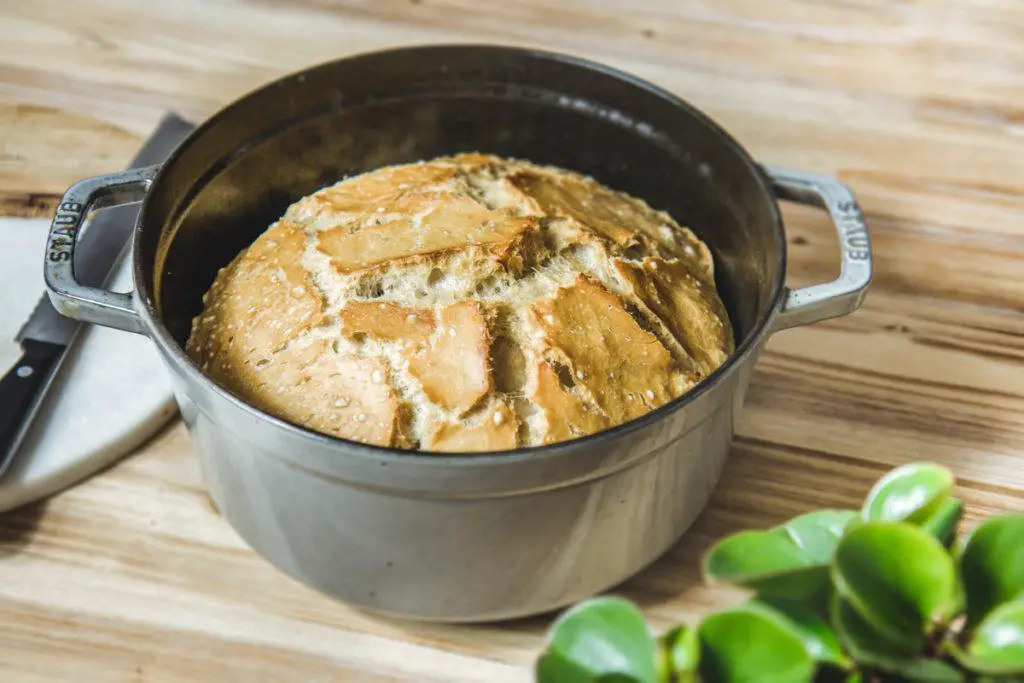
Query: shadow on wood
{"x": 18, "y": 526}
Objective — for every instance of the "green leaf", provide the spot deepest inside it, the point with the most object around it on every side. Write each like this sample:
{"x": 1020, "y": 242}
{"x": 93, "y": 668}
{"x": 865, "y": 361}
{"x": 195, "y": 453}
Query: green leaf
{"x": 752, "y": 643}
{"x": 898, "y": 577}
{"x": 997, "y": 645}
{"x": 818, "y": 532}
{"x": 604, "y": 639}
{"x": 681, "y": 649}
{"x": 863, "y": 642}
{"x": 992, "y": 565}
{"x": 870, "y": 648}
{"x": 927, "y": 671}
{"x": 789, "y": 561}
{"x": 819, "y": 639}
{"x": 943, "y": 523}
{"x": 555, "y": 668}
{"x": 910, "y": 493}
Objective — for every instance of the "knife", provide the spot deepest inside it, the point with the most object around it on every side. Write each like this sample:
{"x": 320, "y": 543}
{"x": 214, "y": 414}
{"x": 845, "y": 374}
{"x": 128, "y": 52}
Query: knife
{"x": 46, "y": 334}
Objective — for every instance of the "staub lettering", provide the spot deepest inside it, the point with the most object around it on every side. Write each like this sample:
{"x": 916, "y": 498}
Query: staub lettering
{"x": 853, "y": 230}
{"x": 64, "y": 231}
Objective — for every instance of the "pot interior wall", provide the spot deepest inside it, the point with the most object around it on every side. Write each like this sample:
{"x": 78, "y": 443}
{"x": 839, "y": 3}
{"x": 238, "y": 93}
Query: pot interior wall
{"x": 243, "y": 169}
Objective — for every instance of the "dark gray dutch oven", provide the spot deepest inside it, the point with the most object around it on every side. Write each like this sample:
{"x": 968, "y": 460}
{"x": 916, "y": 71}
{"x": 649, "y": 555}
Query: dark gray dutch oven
{"x": 477, "y": 536}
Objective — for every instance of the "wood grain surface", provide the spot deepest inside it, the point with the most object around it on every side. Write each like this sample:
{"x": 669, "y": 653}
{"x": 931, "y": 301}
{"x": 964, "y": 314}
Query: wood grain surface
{"x": 918, "y": 105}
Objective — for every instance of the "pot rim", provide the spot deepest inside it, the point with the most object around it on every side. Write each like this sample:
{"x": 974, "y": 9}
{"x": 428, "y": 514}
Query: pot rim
{"x": 181, "y": 363}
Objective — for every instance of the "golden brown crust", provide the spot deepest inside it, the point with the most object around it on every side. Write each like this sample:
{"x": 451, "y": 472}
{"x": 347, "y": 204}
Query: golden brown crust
{"x": 386, "y": 322}
{"x": 494, "y": 430}
{"x": 454, "y": 369}
{"x": 626, "y": 369}
{"x": 566, "y": 414}
{"x": 358, "y": 198}
{"x": 309, "y": 385}
{"x": 582, "y": 200}
{"x": 687, "y": 304}
{"x": 424, "y": 225}
{"x": 411, "y": 305}
{"x": 258, "y": 303}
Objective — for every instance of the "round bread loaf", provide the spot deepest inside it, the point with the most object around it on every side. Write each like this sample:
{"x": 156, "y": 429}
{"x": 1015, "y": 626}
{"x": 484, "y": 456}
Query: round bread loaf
{"x": 468, "y": 303}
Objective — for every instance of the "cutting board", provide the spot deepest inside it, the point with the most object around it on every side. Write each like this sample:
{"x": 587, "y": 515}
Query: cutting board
{"x": 110, "y": 394}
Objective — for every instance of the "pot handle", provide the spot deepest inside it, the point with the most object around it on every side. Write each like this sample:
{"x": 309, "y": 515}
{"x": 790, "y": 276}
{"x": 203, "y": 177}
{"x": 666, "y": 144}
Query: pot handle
{"x": 843, "y": 295}
{"x": 74, "y": 300}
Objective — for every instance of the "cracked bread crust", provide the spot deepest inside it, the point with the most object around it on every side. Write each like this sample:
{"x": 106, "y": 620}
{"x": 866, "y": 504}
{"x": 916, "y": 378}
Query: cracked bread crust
{"x": 468, "y": 303}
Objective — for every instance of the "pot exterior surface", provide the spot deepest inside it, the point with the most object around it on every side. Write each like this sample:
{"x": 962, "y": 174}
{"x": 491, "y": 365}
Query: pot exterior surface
{"x": 446, "y": 556}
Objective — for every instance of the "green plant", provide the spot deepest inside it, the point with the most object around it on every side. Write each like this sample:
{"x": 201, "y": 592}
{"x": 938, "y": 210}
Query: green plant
{"x": 886, "y": 594}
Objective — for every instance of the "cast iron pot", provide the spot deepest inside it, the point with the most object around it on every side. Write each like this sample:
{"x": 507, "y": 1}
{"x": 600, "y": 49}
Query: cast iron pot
{"x": 469, "y": 537}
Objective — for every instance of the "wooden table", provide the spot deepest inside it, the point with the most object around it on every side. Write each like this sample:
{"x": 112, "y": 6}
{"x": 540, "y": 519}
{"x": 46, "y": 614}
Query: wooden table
{"x": 919, "y": 106}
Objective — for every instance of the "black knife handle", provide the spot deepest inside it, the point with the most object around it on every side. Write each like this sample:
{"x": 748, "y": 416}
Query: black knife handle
{"x": 20, "y": 389}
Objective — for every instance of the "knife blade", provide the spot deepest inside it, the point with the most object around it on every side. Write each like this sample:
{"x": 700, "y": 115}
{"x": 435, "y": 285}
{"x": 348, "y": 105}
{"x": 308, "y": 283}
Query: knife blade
{"x": 46, "y": 334}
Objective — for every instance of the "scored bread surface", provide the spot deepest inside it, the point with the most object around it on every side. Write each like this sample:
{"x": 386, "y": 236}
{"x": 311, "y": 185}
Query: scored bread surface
{"x": 468, "y": 303}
